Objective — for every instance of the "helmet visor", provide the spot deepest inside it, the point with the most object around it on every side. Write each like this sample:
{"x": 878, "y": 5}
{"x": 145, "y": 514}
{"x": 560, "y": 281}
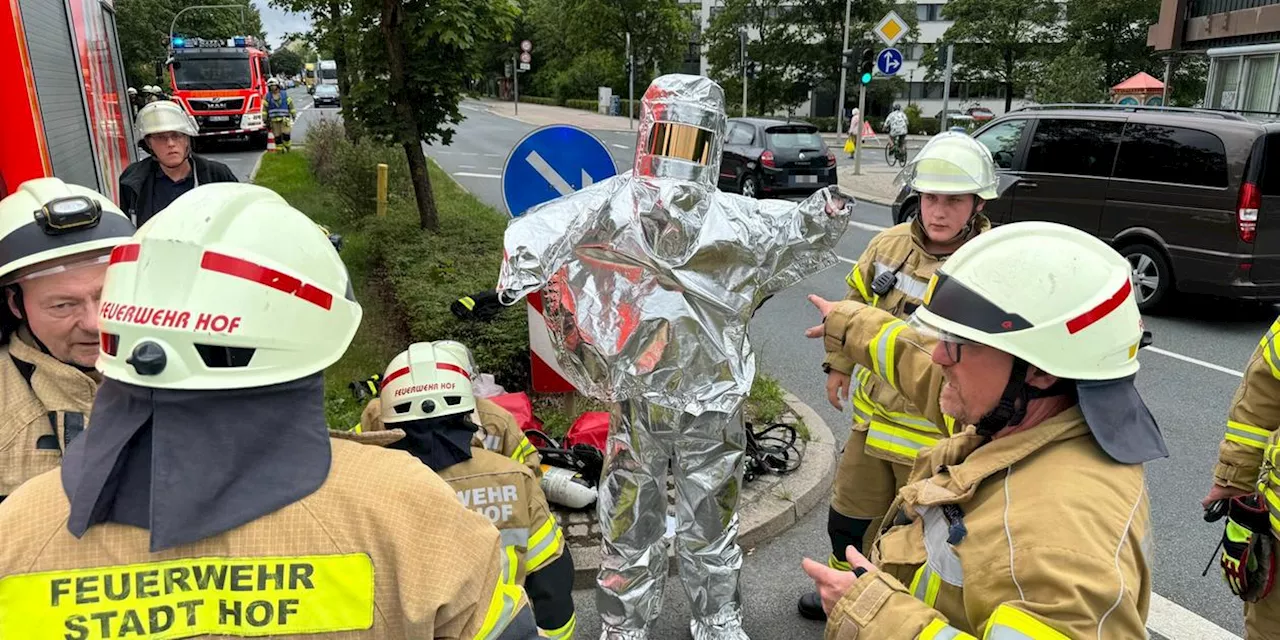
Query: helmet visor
{"x": 952, "y": 300}
{"x": 52, "y": 268}
{"x": 682, "y": 142}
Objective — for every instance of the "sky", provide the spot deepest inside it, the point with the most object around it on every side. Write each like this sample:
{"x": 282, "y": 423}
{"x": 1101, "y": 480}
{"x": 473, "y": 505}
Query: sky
{"x": 277, "y": 23}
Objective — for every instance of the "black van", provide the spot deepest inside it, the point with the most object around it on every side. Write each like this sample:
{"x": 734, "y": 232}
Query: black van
{"x": 1184, "y": 194}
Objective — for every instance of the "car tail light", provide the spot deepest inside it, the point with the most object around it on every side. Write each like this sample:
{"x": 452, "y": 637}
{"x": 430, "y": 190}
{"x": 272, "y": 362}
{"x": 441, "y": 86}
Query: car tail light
{"x": 831, "y": 158}
{"x": 1247, "y": 211}
{"x": 766, "y": 159}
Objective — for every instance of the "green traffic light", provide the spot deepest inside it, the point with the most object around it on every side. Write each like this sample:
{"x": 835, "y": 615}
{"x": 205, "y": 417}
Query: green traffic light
{"x": 866, "y": 78}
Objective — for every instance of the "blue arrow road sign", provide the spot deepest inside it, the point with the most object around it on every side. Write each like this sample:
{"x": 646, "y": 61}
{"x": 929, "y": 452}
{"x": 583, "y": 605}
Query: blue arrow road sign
{"x": 550, "y": 162}
{"x": 889, "y": 61}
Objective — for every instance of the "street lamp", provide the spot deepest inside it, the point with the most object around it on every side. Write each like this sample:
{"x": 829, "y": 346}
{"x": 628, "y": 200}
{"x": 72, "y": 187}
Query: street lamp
{"x": 174, "y": 23}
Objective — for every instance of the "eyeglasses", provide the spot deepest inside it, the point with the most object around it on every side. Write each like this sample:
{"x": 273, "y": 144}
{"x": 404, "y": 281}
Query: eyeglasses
{"x": 167, "y": 137}
{"x": 953, "y": 345}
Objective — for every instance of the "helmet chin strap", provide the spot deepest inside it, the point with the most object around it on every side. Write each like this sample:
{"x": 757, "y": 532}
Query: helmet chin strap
{"x": 1017, "y": 396}
{"x": 968, "y": 225}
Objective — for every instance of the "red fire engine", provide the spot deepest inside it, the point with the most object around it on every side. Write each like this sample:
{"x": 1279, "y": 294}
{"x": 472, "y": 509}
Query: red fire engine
{"x": 65, "y": 110}
{"x": 222, "y": 84}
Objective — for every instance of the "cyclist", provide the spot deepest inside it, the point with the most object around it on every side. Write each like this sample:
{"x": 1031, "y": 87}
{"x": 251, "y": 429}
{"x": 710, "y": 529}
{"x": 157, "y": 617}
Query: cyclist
{"x": 897, "y": 124}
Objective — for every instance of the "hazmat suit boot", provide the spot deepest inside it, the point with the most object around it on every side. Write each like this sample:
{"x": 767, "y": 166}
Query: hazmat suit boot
{"x": 705, "y": 454}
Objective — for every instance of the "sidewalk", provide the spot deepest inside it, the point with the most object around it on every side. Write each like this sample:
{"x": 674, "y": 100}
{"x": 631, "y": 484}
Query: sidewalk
{"x": 769, "y": 506}
{"x": 836, "y": 141}
{"x": 542, "y": 115}
{"x": 874, "y": 185}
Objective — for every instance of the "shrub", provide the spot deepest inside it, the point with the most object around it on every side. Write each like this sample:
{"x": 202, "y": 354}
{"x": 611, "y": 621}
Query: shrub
{"x": 351, "y": 169}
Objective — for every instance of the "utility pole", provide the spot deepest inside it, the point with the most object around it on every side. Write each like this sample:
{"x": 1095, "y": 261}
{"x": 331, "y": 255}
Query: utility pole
{"x": 742, "y": 38}
{"x": 946, "y": 87}
{"x": 515, "y": 80}
{"x": 844, "y": 70}
{"x": 857, "y": 152}
{"x": 631, "y": 86}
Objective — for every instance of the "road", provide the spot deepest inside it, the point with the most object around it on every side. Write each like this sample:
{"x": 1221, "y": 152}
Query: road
{"x": 1187, "y": 379}
{"x": 243, "y": 159}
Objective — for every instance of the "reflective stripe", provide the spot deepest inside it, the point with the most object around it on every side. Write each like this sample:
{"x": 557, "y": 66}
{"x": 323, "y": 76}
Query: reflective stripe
{"x": 502, "y": 610}
{"x": 563, "y": 633}
{"x": 911, "y": 287}
{"x": 854, "y": 280}
{"x": 925, "y": 585}
{"x": 468, "y": 302}
{"x": 1273, "y": 506}
{"x": 515, "y": 537}
{"x": 1008, "y": 623}
{"x": 523, "y": 450}
{"x": 900, "y": 440}
{"x": 1268, "y": 347}
{"x": 278, "y": 109}
{"x": 1247, "y": 435}
{"x": 543, "y": 545}
{"x": 837, "y": 564}
{"x": 939, "y": 630}
{"x": 942, "y": 559}
{"x": 885, "y": 344}
{"x": 510, "y": 564}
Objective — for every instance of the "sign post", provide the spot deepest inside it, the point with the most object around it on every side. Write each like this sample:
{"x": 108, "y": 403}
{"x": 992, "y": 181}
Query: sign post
{"x": 551, "y": 162}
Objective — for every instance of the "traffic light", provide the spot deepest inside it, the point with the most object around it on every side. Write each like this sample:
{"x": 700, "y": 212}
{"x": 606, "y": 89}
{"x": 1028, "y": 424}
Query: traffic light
{"x": 867, "y": 66}
{"x": 753, "y": 67}
{"x": 849, "y": 61}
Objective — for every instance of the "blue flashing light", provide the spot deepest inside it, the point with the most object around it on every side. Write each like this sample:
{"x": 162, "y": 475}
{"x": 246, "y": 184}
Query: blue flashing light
{"x": 239, "y": 41}
{"x": 179, "y": 42}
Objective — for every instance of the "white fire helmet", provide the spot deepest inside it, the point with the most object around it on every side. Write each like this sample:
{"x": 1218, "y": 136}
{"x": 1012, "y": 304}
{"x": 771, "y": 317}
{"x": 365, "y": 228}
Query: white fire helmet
{"x": 164, "y": 116}
{"x": 427, "y": 380}
{"x": 49, "y": 221}
{"x": 1052, "y": 295}
{"x": 953, "y": 163}
{"x": 231, "y": 288}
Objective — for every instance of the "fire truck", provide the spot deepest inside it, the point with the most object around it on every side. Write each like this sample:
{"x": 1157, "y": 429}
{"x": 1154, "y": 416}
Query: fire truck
{"x": 222, "y": 84}
{"x": 65, "y": 110}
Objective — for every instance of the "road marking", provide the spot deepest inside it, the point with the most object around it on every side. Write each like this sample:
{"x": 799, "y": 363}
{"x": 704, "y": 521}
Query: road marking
{"x": 1207, "y": 365}
{"x": 866, "y": 226}
{"x": 554, "y": 179}
{"x": 466, "y": 166}
{"x": 307, "y": 107}
{"x": 494, "y": 168}
{"x": 621, "y": 146}
{"x": 464, "y": 174}
{"x": 1172, "y": 621}
{"x": 493, "y": 155}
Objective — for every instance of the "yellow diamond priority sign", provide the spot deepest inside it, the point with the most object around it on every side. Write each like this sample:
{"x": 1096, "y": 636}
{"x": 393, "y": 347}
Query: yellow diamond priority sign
{"x": 891, "y": 29}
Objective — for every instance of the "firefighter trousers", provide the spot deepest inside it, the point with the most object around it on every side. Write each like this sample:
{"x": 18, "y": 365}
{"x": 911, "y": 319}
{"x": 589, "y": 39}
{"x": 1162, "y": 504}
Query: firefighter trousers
{"x": 705, "y": 454}
{"x": 1262, "y": 618}
{"x": 862, "y": 492}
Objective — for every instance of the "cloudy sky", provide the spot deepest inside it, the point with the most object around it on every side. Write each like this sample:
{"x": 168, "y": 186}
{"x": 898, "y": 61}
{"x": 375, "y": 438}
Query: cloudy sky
{"x": 277, "y": 23}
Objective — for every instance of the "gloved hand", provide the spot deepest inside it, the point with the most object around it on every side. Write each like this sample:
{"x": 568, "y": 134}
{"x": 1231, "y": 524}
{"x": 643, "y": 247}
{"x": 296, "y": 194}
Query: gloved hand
{"x": 481, "y": 306}
{"x": 368, "y": 388}
{"x": 1248, "y": 558}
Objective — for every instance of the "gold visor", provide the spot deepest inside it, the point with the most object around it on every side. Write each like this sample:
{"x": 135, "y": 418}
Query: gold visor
{"x": 681, "y": 141}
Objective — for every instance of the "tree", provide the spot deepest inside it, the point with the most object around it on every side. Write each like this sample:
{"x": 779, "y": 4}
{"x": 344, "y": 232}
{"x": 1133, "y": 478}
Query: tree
{"x": 1189, "y": 78}
{"x": 414, "y": 62}
{"x": 1115, "y": 31}
{"x": 286, "y": 61}
{"x": 822, "y": 22}
{"x": 996, "y": 40}
{"x": 331, "y": 26}
{"x": 1074, "y": 76}
{"x": 777, "y": 46}
{"x": 143, "y": 27}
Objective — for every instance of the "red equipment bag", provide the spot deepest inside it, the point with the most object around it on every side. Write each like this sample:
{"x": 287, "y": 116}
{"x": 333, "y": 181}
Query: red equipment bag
{"x": 591, "y": 428}
{"x": 520, "y": 407}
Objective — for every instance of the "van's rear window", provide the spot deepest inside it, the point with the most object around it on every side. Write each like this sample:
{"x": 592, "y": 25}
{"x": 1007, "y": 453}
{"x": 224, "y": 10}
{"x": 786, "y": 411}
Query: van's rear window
{"x": 1176, "y": 155}
{"x": 1270, "y": 177}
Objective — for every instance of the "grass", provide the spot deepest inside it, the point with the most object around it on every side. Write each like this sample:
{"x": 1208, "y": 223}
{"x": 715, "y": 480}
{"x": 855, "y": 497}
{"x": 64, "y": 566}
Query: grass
{"x": 381, "y": 334}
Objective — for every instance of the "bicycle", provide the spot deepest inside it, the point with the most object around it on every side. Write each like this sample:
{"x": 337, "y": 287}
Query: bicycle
{"x": 895, "y": 153}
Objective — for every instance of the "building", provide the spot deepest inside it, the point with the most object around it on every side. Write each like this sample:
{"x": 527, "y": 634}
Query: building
{"x": 927, "y": 94}
{"x": 1242, "y": 41}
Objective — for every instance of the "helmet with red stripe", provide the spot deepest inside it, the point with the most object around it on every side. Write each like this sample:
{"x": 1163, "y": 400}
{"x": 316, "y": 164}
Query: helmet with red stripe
{"x": 230, "y": 288}
{"x": 427, "y": 380}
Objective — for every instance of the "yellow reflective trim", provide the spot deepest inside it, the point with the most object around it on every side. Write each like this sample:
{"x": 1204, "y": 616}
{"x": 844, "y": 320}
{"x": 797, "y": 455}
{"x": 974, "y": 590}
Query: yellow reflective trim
{"x": 502, "y": 610}
{"x": 884, "y": 345}
{"x": 855, "y": 281}
{"x": 1268, "y": 347}
{"x": 543, "y": 545}
{"x": 923, "y": 439}
{"x": 892, "y": 447}
{"x": 1008, "y": 623}
{"x": 357, "y": 429}
{"x": 257, "y": 596}
{"x": 951, "y": 424}
{"x": 939, "y": 630}
{"x": 928, "y": 292}
{"x": 837, "y": 564}
{"x": 468, "y": 302}
{"x": 1248, "y": 428}
{"x": 1231, "y": 437}
{"x": 563, "y": 633}
{"x": 510, "y": 564}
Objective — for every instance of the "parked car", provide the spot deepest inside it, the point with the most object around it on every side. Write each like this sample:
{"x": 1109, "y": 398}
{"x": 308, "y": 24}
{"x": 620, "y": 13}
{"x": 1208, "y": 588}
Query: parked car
{"x": 980, "y": 114}
{"x": 1190, "y": 197}
{"x": 326, "y": 95}
{"x": 772, "y": 157}
{"x": 954, "y": 116}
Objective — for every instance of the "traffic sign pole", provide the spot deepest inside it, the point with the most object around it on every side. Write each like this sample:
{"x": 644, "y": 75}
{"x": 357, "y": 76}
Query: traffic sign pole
{"x": 844, "y": 71}
{"x": 857, "y": 150}
{"x": 515, "y": 80}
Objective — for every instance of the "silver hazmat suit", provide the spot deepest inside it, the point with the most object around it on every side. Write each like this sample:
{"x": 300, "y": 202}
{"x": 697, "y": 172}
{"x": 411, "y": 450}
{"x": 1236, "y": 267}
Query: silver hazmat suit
{"x": 649, "y": 280}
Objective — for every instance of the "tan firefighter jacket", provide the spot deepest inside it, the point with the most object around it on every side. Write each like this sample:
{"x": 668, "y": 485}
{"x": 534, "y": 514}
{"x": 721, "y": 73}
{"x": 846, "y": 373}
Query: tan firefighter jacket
{"x": 498, "y": 432}
{"x": 1249, "y": 455}
{"x": 896, "y": 430}
{"x": 374, "y": 553}
{"x": 1057, "y": 533}
{"x": 46, "y": 405}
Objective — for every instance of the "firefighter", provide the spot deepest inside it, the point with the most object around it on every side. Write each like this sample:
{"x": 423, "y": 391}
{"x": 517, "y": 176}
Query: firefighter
{"x": 278, "y": 111}
{"x": 172, "y": 169}
{"x": 1247, "y": 459}
{"x": 1032, "y": 522}
{"x": 51, "y": 268}
{"x": 497, "y": 430}
{"x": 955, "y": 176}
{"x": 150, "y": 93}
{"x": 209, "y": 463}
{"x": 135, "y": 102}
{"x": 428, "y": 405}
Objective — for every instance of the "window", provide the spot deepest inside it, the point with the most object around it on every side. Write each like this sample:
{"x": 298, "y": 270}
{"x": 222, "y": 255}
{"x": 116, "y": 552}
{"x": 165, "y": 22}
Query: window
{"x": 1259, "y": 82}
{"x": 740, "y": 134}
{"x": 1226, "y": 82}
{"x": 1002, "y": 139}
{"x": 794, "y": 138}
{"x": 928, "y": 12}
{"x": 1159, "y": 153}
{"x": 1074, "y": 147}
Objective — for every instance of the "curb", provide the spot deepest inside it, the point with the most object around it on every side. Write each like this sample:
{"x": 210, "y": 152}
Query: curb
{"x": 772, "y": 514}
{"x": 489, "y": 109}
